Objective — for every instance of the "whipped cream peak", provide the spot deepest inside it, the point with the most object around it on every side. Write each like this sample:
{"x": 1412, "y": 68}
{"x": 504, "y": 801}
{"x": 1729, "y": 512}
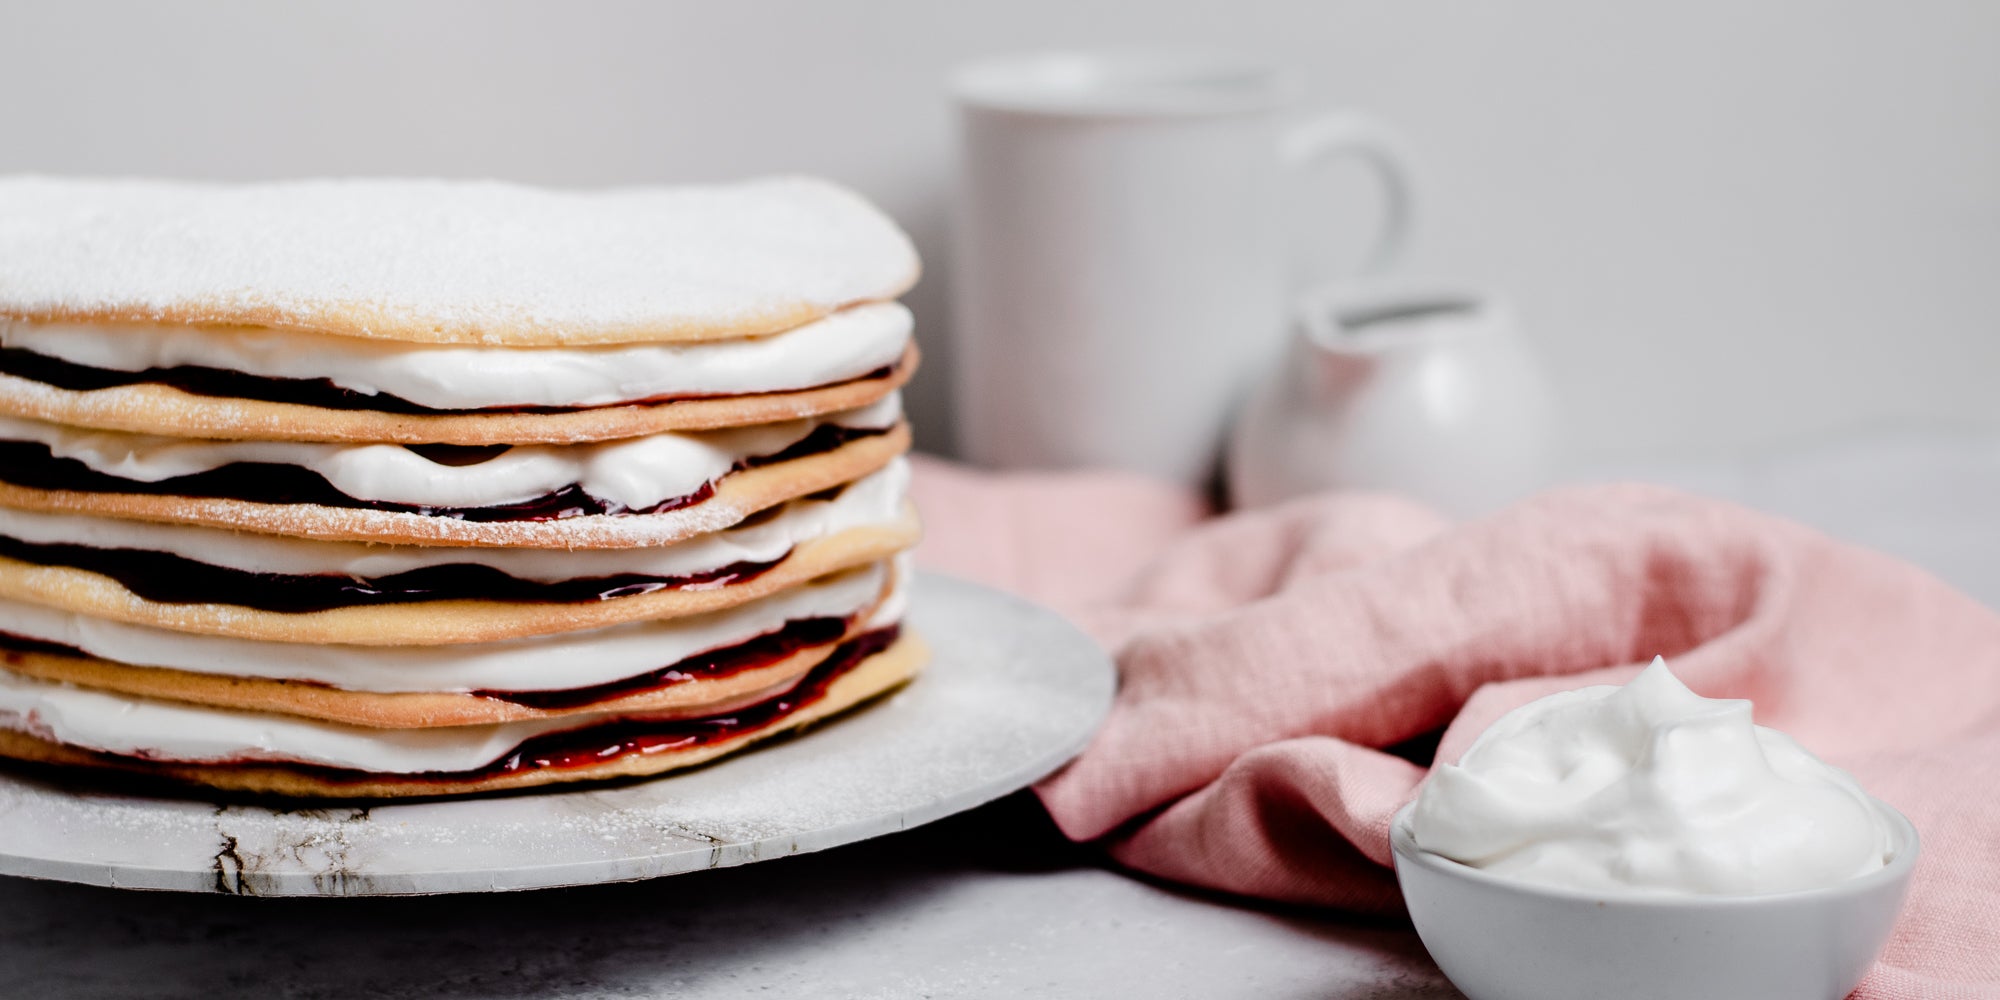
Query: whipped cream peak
{"x": 1649, "y": 787}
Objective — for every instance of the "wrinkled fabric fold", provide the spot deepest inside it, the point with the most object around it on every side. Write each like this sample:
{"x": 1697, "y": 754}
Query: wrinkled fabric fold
{"x": 1269, "y": 660}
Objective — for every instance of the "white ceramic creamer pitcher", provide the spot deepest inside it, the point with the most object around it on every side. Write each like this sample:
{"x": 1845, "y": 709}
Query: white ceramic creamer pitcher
{"x": 1425, "y": 392}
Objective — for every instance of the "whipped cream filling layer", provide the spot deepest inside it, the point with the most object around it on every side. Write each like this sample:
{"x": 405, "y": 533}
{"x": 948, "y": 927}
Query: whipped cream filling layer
{"x": 560, "y": 662}
{"x": 846, "y": 345}
{"x": 162, "y": 730}
{"x": 637, "y": 473}
{"x": 872, "y": 500}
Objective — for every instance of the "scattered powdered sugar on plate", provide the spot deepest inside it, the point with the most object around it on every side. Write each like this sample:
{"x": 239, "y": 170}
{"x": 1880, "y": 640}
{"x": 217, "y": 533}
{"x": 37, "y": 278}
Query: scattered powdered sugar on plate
{"x": 448, "y": 261}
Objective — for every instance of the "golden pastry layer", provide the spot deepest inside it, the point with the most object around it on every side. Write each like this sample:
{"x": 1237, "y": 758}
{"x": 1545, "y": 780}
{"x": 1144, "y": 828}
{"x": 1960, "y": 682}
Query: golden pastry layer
{"x": 400, "y": 709}
{"x": 870, "y": 678}
{"x": 445, "y": 622}
{"x": 152, "y": 408}
{"x": 736, "y": 496}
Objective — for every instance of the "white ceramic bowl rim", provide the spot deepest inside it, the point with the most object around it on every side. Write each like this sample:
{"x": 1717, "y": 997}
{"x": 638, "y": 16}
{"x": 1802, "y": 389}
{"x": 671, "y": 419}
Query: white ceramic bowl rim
{"x": 1908, "y": 845}
{"x": 1143, "y": 83}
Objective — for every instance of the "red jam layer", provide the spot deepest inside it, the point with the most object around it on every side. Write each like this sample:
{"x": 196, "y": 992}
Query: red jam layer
{"x": 166, "y": 578}
{"x": 34, "y": 465}
{"x": 613, "y": 740}
{"x": 761, "y": 651}
{"x": 750, "y": 654}
{"x": 12, "y": 645}
{"x": 607, "y": 741}
{"x": 227, "y": 384}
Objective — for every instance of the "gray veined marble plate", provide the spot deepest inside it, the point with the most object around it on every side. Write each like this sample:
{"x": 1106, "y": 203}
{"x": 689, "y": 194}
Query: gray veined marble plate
{"x": 1012, "y": 692}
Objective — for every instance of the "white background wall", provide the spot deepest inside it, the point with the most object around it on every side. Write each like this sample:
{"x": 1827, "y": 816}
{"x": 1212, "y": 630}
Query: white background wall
{"x": 1728, "y": 224}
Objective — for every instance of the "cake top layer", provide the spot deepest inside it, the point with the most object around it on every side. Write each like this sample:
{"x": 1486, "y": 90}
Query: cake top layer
{"x": 459, "y": 262}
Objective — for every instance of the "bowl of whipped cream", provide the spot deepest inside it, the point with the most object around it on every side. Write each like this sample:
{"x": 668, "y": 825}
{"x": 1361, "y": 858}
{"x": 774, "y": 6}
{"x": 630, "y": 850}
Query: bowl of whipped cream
{"x": 1644, "y": 841}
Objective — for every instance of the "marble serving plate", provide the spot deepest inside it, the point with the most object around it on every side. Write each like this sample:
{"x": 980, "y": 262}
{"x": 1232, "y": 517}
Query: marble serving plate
{"x": 1012, "y": 693}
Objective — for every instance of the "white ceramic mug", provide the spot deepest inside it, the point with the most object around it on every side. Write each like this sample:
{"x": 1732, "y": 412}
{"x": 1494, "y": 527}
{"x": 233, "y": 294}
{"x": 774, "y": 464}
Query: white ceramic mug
{"x": 1121, "y": 262}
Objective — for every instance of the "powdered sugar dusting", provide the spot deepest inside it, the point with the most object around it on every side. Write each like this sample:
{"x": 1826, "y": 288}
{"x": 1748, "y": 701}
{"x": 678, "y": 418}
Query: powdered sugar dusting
{"x": 448, "y": 261}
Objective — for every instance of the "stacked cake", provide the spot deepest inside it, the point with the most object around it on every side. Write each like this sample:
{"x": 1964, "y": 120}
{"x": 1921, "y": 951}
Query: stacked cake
{"x": 380, "y": 488}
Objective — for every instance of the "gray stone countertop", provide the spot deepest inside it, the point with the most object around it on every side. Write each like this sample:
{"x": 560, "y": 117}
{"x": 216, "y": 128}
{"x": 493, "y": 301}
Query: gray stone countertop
{"x": 987, "y": 903}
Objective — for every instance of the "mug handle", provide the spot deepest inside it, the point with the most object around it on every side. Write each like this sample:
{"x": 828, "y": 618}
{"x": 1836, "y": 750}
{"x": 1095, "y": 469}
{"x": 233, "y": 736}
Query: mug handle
{"x": 1339, "y": 134}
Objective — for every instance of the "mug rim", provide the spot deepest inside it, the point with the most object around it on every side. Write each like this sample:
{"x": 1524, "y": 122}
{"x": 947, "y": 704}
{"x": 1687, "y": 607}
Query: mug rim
{"x": 1123, "y": 83}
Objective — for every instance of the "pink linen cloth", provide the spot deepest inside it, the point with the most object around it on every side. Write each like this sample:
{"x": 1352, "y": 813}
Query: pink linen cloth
{"x": 1267, "y": 657}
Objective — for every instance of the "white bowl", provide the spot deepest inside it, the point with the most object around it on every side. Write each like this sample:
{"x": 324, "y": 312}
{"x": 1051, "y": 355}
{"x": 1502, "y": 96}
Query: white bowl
{"x": 1501, "y": 939}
